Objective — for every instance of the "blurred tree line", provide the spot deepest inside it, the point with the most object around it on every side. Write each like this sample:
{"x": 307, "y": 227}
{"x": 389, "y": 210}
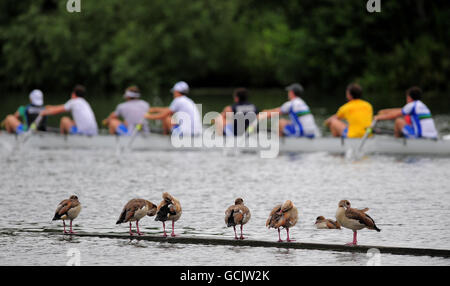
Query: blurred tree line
{"x": 324, "y": 44}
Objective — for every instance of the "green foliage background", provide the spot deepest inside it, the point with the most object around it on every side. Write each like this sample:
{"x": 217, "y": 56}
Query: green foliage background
{"x": 324, "y": 44}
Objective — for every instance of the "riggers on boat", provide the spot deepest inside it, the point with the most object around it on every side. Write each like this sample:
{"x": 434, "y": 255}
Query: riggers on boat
{"x": 380, "y": 144}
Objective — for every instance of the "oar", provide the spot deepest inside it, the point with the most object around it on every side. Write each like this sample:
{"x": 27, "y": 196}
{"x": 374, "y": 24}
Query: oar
{"x": 369, "y": 130}
{"x": 136, "y": 130}
{"x": 32, "y": 128}
{"x": 252, "y": 127}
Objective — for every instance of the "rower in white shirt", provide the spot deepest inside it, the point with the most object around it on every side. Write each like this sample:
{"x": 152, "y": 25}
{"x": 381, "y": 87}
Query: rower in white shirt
{"x": 184, "y": 111}
{"x": 301, "y": 123}
{"x": 84, "y": 122}
{"x": 422, "y": 124}
{"x": 132, "y": 111}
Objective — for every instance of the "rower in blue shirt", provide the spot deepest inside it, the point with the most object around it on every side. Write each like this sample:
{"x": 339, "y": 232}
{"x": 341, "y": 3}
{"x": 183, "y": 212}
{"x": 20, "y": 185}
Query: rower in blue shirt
{"x": 235, "y": 118}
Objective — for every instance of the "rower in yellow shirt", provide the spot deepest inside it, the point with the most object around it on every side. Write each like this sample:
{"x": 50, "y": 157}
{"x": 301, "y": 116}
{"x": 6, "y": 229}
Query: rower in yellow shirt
{"x": 356, "y": 112}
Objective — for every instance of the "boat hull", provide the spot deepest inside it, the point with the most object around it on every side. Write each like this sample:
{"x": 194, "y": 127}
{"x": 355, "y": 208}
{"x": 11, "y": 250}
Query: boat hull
{"x": 156, "y": 142}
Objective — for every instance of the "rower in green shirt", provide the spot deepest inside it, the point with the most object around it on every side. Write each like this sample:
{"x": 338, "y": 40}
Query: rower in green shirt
{"x": 21, "y": 120}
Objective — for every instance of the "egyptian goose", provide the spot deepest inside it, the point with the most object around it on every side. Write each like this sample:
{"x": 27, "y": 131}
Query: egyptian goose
{"x": 324, "y": 223}
{"x": 354, "y": 219}
{"x": 135, "y": 210}
{"x": 285, "y": 215}
{"x": 68, "y": 209}
{"x": 237, "y": 214}
{"x": 168, "y": 209}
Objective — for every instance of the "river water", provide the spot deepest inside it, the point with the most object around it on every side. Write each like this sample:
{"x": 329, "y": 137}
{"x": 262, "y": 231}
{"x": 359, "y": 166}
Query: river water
{"x": 408, "y": 197}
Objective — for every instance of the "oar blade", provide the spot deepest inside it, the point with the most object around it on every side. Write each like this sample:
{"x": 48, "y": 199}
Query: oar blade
{"x": 33, "y": 127}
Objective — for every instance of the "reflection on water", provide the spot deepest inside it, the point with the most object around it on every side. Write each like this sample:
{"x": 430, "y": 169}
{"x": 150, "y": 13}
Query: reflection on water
{"x": 349, "y": 258}
{"x": 408, "y": 197}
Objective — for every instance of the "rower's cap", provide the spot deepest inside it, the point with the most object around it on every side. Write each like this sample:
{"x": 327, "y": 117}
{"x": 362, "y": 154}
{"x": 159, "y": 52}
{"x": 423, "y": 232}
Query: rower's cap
{"x": 131, "y": 94}
{"x": 296, "y": 88}
{"x": 181, "y": 87}
{"x": 37, "y": 97}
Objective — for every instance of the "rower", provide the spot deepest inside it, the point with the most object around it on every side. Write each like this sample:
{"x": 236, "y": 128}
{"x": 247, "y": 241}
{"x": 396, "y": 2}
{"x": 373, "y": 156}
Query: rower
{"x": 183, "y": 110}
{"x": 132, "y": 111}
{"x": 302, "y": 122}
{"x": 21, "y": 120}
{"x": 243, "y": 112}
{"x": 83, "y": 122}
{"x": 422, "y": 124}
{"x": 357, "y": 112}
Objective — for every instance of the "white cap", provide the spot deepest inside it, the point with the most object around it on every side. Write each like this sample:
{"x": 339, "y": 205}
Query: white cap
{"x": 181, "y": 87}
{"x": 37, "y": 97}
{"x": 131, "y": 94}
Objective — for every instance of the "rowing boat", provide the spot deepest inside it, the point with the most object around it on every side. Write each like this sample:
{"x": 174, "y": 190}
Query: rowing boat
{"x": 380, "y": 144}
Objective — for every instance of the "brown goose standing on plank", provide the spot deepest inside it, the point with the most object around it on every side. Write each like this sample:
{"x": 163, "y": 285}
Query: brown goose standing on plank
{"x": 135, "y": 210}
{"x": 285, "y": 215}
{"x": 168, "y": 209}
{"x": 354, "y": 219}
{"x": 324, "y": 223}
{"x": 237, "y": 214}
{"x": 68, "y": 209}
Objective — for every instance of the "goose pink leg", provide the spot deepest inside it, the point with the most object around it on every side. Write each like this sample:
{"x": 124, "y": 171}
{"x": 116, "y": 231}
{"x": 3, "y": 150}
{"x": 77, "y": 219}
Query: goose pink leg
{"x": 137, "y": 227}
{"x": 131, "y": 233}
{"x": 355, "y": 240}
{"x": 71, "y": 232}
{"x": 173, "y": 229}
{"x": 288, "y": 239}
{"x": 242, "y": 235}
{"x": 279, "y": 236}
{"x": 64, "y": 224}
{"x": 164, "y": 228}
{"x": 235, "y": 235}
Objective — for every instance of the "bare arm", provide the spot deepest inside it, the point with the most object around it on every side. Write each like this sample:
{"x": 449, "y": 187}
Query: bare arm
{"x": 389, "y": 114}
{"x": 157, "y": 109}
{"x": 159, "y": 115}
{"x": 112, "y": 115}
{"x": 329, "y": 119}
{"x": 53, "y": 109}
{"x": 269, "y": 112}
{"x": 387, "y": 110}
{"x": 224, "y": 112}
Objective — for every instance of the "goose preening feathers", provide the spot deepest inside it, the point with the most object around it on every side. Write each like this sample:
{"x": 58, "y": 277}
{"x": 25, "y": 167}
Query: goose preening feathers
{"x": 285, "y": 215}
{"x": 237, "y": 214}
{"x": 168, "y": 209}
{"x": 135, "y": 210}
